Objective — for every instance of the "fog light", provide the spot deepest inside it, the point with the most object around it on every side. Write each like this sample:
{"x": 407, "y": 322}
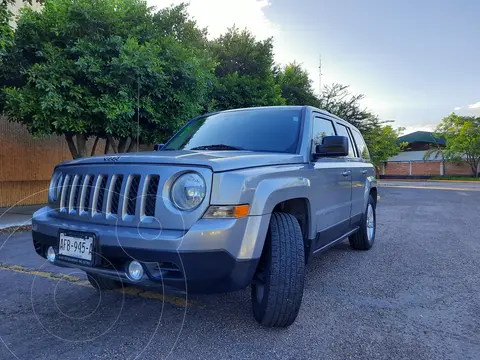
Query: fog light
{"x": 135, "y": 270}
{"x": 51, "y": 254}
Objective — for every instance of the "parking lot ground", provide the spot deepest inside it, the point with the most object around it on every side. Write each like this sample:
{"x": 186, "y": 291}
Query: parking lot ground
{"x": 414, "y": 295}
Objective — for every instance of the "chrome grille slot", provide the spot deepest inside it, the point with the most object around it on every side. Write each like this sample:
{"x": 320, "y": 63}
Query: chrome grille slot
{"x": 114, "y": 194}
{"x": 132, "y": 193}
{"x": 77, "y": 192}
{"x": 73, "y": 192}
{"x": 101, "y": 193}
{"x": 57, "y": 187}
{"x": 150, "y": 199}
{"x": 86, "y": 192}
{"x": 65, "y": 191}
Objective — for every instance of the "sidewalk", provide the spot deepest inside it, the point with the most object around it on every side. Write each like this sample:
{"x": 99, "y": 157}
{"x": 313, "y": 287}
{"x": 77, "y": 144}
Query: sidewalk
{"x": 17, "y": 215}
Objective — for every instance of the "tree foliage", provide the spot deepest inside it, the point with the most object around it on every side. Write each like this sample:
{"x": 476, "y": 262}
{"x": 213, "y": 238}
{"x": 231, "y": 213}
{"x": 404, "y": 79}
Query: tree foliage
{"x": 296, "y": 86}
{"x": 97, "y": 68}
{"x": 382, "y": 142}
{"x": 462, "y": 135}
{"x": 118, "y": 70}
{"x": 244, "y": 76}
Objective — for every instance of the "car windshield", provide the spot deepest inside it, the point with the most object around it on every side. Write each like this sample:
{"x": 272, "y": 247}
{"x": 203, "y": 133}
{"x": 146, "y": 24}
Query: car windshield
{"x": 268, "y": 130}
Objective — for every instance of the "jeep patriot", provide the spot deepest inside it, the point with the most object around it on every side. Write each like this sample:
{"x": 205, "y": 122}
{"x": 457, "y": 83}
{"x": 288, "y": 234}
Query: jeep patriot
{"x": 235, "y": 198}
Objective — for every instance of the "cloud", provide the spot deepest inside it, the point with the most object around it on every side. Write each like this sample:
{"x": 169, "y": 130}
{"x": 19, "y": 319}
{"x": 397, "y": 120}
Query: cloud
{"x": 474, "y": 106}
{"x": 457, "y": 108}
{"x": 219, "y": 15}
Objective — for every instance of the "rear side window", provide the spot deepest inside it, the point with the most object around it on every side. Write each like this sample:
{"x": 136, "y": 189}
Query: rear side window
{"x": 322, "y": 128}
{"x": 361, "y": 146}
{"x": 342, "y": 131}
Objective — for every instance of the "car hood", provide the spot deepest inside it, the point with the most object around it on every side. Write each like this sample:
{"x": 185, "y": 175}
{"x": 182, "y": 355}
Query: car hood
{"x": 216, "y": 160}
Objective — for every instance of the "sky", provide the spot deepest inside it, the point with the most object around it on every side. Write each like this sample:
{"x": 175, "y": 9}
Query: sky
{"x": 415, "y": 61}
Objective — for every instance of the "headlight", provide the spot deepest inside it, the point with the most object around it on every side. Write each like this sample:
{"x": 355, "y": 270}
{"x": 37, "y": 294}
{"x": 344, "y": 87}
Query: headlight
{"x": 188, "y": 191}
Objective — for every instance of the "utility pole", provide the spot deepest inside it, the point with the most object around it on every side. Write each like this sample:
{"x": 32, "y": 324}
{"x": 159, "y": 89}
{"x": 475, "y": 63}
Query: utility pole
{"x": 320, "y": 75}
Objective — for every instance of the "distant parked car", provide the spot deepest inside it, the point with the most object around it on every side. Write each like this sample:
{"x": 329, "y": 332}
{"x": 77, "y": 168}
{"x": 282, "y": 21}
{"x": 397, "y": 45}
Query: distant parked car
{"x": 235, "y": 198}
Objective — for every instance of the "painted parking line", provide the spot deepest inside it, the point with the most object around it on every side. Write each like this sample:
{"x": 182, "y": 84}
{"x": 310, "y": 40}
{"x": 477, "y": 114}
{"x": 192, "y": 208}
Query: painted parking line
{"x": 74, "y": 280}
{"x": 431, "y": 187}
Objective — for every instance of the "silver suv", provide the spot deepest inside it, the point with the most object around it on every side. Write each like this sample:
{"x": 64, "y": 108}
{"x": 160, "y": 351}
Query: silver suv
{"x": 235, "y": 198}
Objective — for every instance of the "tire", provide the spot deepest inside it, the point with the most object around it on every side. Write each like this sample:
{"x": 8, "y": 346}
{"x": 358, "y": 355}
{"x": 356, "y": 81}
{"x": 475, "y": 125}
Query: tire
{"x": 361, "y": 240}
{"x": 103, "y": 283}
{"x": 278, "y": 290}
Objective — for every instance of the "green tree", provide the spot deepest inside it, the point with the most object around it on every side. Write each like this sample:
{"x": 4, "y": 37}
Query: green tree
{"x": 462, "y": 135}
{"x": 101, "y": 68}
{"x": 296, "y": 86}
{"x": 382, "y": 143}
{"x": 338, "y": 100}
{"x": 244, "y": 72}
{"x": 380, "y": 136}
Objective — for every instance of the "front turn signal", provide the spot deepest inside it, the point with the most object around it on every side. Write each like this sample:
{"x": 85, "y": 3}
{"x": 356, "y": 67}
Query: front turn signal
{"x": 226, "y": 212}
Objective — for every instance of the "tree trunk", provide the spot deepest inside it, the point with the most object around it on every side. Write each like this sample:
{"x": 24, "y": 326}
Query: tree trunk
{"x": 113, "y": 144}
{"x": 131, "y": 145}
{"x": 71, "y": 146}
{"x": 81, "y": 145}
{"x": 107, "y": 146}
{"x": 122, "y": 144}
{"x": 94, "y": 147}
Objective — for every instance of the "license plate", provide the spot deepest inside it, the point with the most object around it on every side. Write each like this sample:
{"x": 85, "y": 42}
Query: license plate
{"x": 76, "y": 246}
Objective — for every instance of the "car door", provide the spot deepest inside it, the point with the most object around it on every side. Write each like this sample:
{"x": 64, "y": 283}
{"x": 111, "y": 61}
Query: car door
{"x": 352, "y": 165}
{"x": 361, "y": 170}
{"x": 332, "y": 185}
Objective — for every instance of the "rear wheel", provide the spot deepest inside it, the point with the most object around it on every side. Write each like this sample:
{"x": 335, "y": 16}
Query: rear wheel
{"x": 278, "y": 288}
{"x": 364, "y": 238}
{"x": 103, "y": 283}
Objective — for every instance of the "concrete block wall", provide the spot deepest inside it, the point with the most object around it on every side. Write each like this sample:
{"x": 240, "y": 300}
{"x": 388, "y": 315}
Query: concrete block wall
{"x": 425, "y": 168}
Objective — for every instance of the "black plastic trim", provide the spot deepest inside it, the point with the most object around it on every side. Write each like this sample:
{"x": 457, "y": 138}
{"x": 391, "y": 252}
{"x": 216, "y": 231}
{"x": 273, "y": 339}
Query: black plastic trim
{"x": 213, "y": 271}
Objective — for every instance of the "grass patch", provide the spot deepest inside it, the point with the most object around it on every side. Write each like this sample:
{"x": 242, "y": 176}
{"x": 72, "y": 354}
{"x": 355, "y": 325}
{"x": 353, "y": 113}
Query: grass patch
{"x": 458, "y": 178}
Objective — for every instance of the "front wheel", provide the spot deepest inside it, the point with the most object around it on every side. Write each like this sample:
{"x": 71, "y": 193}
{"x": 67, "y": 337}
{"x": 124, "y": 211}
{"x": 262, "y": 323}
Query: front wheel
{"x": 278, "y": 288}
{"x": 364, "y": 238}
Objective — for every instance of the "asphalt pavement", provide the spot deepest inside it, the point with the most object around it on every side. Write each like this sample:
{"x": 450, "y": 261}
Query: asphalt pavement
{"x": 414, "y": 295}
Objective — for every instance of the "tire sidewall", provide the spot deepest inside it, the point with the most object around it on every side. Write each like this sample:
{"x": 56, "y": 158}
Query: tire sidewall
{"x": 371, "y": 203}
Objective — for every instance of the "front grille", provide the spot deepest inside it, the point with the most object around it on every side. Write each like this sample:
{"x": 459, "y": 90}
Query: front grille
{"x": 77, "y": 192}
{"x": 115, "y": 193}
{"x": 132, "y": 194}
{"x": 151, "y": 195}
{"x": 88, "y": 194}
{"x": 101, "y": 193}
{"x": 88, "y": 187}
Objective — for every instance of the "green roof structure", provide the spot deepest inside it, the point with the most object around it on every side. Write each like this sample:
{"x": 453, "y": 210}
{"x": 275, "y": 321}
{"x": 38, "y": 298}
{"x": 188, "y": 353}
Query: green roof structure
{"x": 421, "y": 137}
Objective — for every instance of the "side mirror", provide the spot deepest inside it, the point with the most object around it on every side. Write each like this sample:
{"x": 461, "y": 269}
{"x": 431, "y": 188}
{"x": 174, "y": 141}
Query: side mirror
{"x": 157, "y": 147}
{"x": 332, "y": 146}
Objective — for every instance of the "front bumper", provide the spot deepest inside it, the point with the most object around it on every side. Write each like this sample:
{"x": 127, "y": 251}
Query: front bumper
{"x": 218, "y": 255}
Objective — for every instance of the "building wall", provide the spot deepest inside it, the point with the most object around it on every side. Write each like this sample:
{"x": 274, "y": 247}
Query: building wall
{"x": 424, "y": 168}
{"x": 458, "y": 169}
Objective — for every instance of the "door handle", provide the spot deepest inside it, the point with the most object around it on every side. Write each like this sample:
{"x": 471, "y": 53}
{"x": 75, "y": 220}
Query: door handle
{"x": 346, "y": 173}
{"x": 364, "y": 172}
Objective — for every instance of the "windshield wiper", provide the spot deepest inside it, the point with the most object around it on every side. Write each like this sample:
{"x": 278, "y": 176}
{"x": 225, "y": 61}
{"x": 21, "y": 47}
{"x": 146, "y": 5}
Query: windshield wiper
{"x": 217, "y": 147}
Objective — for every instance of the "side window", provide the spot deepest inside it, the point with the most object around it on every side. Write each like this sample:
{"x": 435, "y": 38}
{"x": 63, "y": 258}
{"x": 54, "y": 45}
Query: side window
{"x": 361, "y": 146}
{"x": 342, "y": 131}
{"x": 322, "y": 128}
